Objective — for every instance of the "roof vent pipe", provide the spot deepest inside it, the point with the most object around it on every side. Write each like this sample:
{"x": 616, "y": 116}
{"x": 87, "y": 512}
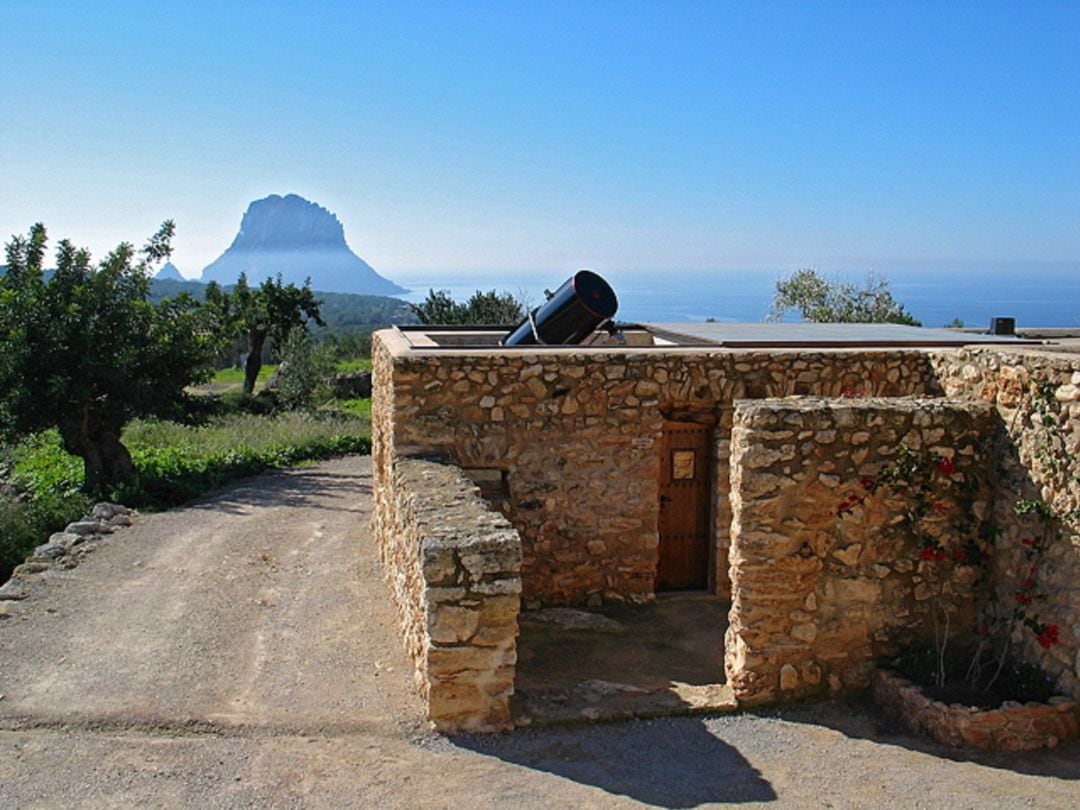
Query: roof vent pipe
{"x": 571, "y": 314}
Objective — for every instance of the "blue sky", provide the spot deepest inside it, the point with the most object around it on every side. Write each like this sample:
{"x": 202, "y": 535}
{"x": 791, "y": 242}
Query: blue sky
{"x": 554, "y": 135}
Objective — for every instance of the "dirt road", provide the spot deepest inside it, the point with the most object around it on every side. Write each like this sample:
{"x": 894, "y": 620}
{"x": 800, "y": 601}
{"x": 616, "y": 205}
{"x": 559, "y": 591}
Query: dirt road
{"x": 242, "y": 652}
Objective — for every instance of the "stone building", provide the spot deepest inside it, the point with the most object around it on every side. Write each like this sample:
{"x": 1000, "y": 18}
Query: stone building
{"x": 715, "y": 458}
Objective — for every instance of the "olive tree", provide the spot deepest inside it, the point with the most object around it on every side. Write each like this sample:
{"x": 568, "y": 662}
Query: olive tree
{"x": 482, "y": 308}
{"x": 268, "y": 312}
{"x": 84, "y": 351}
{"x": 818, "y": 299}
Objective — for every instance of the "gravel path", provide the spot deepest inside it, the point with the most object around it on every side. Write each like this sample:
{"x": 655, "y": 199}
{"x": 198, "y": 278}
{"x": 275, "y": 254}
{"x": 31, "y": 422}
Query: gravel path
{"x": 242, "y": 652}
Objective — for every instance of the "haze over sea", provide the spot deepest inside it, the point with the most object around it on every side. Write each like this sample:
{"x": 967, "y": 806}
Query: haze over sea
{"x": 1035, "y": 294}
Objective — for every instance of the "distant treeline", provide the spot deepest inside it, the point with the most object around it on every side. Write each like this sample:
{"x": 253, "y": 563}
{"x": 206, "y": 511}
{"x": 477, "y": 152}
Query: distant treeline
{"x": 345, "y": 314}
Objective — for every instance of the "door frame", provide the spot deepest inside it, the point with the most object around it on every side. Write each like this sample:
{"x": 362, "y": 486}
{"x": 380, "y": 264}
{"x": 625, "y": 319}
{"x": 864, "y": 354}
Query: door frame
{"x": 708, "y": 421}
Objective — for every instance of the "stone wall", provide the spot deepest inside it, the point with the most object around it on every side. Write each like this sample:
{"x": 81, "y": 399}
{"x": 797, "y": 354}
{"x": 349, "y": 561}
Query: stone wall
{"x": 1014, "y": 726}
{"x": 454, "y": 567}
{"x": 574, "y": 435}
{"x": 828, "y": 563}
{"x": 565, "y": 442}
{"x": 1037, "y": 395}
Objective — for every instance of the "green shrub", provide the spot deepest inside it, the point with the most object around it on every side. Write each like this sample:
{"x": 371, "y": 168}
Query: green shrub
{"x": 304, "y": 368}
{"x": 41, "y": 497}
{"x": 40, "y": 466}
{"x": 27, "y": 523}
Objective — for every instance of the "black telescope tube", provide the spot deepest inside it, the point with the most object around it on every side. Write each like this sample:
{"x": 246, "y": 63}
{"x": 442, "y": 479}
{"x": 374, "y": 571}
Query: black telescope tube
{"x": 581, "y": 304}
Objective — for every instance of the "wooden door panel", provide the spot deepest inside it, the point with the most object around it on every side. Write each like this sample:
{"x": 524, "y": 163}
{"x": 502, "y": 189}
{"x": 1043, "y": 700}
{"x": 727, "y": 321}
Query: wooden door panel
{"x": 684, "y": 507}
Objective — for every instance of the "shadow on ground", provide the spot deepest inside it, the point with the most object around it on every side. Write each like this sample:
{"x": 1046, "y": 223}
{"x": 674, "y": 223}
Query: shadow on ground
{"x": 296, "y": 488}
{"x": 666, "y": 764}
{"x": 622, "y": 661}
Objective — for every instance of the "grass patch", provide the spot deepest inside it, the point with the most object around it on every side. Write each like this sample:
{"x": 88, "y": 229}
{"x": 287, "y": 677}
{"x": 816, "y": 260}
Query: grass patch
{"x": 353, "y": 364}
{"x": 359, "y": 408}
{"x": 174, "y": 463}
{"x": 235, "y": 376}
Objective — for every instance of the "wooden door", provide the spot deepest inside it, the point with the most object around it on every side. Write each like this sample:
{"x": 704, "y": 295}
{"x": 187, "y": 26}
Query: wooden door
{"x": 684, "y": 508}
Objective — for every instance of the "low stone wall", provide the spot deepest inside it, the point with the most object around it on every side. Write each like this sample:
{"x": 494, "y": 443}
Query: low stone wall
{"x": 63, "y": 550}
{"x": 830, "y": 574}
{"x": 1013, "y": 727}
{"x": 454, "y": 566}
{"x": 1037, "y": 396}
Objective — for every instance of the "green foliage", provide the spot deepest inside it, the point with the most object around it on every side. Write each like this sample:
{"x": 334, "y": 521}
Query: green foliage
{"x": 304, "y": 369}
{"x": 346, "y": 314}
{"x": 176, "y": 463}
{"x": 235, "y": 376}
{"x": 439, "y": 308}
{"x": 27, "y": 523}
{"x": 483, "y": 308}
{"x": 348, "y": 319}
{"x": 85, "y": 352}
{"x": 822, "y": 301}
{"x": 344, "y": 345}
{"x": 269, "y": 312}
{"x": 352, "y": 364}
{"x": 358, "y": 407}
{"x": 40, "y": 465}
{"x": 41, "y": 496}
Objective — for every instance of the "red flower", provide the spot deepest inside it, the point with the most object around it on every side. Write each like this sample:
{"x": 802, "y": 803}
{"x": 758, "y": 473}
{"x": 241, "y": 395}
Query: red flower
{"x": 866, "y": 483}
{"x": 1028, "y": 541}
{"x": 848, "y": 393}
{"x": 946, "y": 466}
{"x": 928, "y": 553}
{"x": 1023, "y": 598}
{"x": 940, "y": 507}
{"x": 1048, "y": 637}
{"x": 1029, "y": 583}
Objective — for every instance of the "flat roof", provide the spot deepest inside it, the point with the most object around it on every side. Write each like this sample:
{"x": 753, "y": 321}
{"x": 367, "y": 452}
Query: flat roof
{"x": 668, "y": 336}
{"x": 751, "y": 335}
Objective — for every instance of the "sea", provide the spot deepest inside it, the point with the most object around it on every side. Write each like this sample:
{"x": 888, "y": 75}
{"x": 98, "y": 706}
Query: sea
{"x": 1034, "y": 294}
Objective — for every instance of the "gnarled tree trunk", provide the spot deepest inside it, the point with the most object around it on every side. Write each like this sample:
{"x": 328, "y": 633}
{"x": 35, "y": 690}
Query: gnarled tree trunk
{"x": 106, "y": 461}
{"x": 256, "y": 340}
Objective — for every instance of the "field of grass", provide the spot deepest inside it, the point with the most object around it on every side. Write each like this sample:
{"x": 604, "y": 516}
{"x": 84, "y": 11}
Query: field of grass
{"x": 174, "y": 463}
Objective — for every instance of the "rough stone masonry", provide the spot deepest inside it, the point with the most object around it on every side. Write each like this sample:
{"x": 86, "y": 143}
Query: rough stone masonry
{"x": 569, "y": 438}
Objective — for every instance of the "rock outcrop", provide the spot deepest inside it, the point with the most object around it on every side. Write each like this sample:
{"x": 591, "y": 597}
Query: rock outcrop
{"x": 297, "y": 239}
